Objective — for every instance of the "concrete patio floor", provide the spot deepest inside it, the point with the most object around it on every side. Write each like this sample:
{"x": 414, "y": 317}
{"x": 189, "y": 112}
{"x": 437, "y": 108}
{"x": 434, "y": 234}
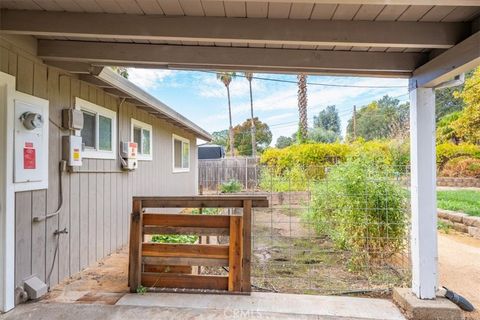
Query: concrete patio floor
{"x": 211, "y": 306}
{"x": 100, "y": 292}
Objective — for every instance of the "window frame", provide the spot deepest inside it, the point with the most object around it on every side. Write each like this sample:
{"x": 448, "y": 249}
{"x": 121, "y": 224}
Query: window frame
{"x": 134, "y": 123}
{"x": 183, "y": 140}
{"x": 98, "y": 111}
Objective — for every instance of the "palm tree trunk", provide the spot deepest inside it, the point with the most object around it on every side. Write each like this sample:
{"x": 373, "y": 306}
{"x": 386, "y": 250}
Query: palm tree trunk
{"x": 253, "y": 129}
{"x": 302, "y": 106}
{"x": 231, "y": 127}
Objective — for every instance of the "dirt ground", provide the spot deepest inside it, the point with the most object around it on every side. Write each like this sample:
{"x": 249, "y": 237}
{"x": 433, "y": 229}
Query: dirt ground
{"x": 459, "y": 267}
{"x": 103, "y": 283}
{"x": 289, "y": 257}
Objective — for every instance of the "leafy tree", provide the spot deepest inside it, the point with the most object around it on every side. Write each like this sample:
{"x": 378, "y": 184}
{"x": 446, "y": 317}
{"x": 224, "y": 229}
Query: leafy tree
{"x": 283, "y": 142}
{"x": 328, "y": 120}
{"x": 467, "y": 126}
{"x": 226, "y": 78}
{"x": 445, "y": 130}
{"x": 243, "y": 141}
{"x": 220, "y": 138}
{"x": 321, "y": 135}
{"x": 384, "y": 118}
{"x": 447, "y": 100}
{"x": 446, "y": 103}
{"x": 121, "y": 71}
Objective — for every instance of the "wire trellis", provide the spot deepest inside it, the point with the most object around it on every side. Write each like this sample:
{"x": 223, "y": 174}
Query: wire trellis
{"x": 290, "y": 253}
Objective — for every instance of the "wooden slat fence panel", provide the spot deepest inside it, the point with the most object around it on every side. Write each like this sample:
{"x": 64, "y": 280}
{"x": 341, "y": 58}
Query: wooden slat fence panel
{"x": 212, "y": 173}
{"x": 186, "y": 281}
{"x": 169, "y": 265}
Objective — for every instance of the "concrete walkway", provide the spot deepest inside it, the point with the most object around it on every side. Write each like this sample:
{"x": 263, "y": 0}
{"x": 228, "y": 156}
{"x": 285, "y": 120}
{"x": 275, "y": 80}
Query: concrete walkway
{"x": 288, "y": 305}
{"x": 173, "y": 306}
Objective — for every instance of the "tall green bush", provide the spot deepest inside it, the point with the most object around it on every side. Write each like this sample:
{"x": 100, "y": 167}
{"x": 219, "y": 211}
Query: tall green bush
{"x": 305, "y": 155}
{"x": 448, "y": 151}
{"x": 362, "y": 209}
{"x": 293, "y": 179}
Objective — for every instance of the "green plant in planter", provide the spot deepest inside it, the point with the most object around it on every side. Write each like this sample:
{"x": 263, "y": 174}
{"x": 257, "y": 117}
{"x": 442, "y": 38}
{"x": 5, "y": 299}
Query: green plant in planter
{"x": 158, "y": 238}
{"x": 231, "y": 186}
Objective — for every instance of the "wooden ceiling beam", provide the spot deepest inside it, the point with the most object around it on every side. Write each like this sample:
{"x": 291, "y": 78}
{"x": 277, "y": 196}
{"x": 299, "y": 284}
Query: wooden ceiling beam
{"x": 397, "y": 34}
{"x": 102, "y": 53}
{"x": 459, "y": 59}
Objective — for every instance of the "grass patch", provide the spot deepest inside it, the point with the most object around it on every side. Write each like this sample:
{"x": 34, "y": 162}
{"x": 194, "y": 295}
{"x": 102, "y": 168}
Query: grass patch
{"x": 466, "y": 201}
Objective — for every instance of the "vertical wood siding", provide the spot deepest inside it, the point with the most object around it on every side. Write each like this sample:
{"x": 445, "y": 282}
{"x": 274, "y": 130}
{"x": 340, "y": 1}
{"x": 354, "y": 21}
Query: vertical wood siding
{"x": 96, "y": 206}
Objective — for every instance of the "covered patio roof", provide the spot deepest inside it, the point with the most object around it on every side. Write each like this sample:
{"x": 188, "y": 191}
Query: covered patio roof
{"x": 428, "y": 41}
{"x": 347, "y": 37}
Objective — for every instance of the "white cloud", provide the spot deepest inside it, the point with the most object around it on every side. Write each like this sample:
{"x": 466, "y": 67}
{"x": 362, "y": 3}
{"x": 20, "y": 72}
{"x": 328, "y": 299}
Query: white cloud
{"x": 148, "y": 78}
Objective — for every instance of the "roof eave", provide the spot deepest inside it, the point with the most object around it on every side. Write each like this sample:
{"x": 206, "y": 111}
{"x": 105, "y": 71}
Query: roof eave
{"x": 117, "y": 81}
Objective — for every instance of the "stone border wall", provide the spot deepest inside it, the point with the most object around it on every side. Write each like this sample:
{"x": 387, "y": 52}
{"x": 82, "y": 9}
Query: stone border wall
{"x": 458, "y": 182}
{"x": 461, "y": 222}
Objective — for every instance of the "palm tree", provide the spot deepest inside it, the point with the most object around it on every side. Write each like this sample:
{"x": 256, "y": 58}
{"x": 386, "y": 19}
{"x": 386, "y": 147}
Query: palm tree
{"x": 302, "y": 106}
{"x": 226, "y": 78}
{"x": 249, "y": 76}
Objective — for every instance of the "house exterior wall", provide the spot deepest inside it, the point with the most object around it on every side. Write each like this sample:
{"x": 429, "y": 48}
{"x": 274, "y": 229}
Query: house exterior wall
{"x": 96, "y": 206}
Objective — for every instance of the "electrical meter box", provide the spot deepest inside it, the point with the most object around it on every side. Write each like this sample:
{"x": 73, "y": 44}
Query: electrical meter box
{"x": 72, "y": 150}
{"x": 30, "y": 142}
{"x": 128, "y": 151}
{"x": 72, "y": 119}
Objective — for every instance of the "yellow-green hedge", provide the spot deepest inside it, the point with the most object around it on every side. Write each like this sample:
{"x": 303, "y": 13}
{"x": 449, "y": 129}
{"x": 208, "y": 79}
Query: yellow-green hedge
{"x": 305, "y": 155}
{"x": 313, "y": 156}
{"x": 448, "y": 151}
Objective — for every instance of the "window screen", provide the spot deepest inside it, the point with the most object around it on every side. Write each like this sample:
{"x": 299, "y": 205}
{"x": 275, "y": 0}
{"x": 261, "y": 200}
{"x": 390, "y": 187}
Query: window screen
{"x": 89, "y": 129}
{"x": 105, "y": 133}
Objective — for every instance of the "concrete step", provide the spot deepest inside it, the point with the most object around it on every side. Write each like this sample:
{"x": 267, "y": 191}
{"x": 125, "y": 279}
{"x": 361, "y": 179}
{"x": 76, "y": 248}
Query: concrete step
{"x": 288, "y": 305}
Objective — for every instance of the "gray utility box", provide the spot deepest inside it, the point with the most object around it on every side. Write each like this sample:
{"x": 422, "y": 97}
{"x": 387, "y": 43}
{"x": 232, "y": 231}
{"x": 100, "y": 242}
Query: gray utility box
{"x": 35, "y": 287}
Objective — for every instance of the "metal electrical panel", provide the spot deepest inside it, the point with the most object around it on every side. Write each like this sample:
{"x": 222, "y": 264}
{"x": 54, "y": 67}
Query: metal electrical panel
{"x": 30, "y": 142}
{"x": 129, "y": 151}
{"x": 72, "y": 150}
{"x": 72, "y": 119}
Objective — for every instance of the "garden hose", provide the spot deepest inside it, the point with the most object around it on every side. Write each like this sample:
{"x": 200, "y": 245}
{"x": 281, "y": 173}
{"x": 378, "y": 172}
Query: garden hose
{"x": 460, "y": 301}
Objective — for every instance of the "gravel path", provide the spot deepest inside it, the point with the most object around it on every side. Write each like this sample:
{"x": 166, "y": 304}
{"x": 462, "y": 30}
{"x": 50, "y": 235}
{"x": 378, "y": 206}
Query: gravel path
{"x": 459, "y": 266}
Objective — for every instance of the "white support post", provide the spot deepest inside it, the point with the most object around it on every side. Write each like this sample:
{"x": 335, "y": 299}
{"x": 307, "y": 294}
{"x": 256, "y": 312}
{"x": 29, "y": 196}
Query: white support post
{"x": 423, "y": 193}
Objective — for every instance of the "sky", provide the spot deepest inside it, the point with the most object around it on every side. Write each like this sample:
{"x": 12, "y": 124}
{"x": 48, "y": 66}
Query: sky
{"x": 199, "y": 96}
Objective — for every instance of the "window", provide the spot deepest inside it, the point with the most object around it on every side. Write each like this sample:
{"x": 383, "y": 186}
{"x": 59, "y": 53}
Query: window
{"x": 98, "y": 133}
{"x": 181, "y": 154}
{"x": 142, "y": 135}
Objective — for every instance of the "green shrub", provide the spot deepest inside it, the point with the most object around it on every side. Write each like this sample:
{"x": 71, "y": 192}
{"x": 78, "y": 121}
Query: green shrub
{"x": 448, "y": 151}
{"x": 174, "y": 238}
{"x": 206, "y": 211}
{"x": 293, "y": 179}
{"x": 394, "y": 153}
{"x": 462, "y": 167}
{"x": 361, "y": 209}
{"x": 231, "y": 186}
{"x": 308, "y": 155}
